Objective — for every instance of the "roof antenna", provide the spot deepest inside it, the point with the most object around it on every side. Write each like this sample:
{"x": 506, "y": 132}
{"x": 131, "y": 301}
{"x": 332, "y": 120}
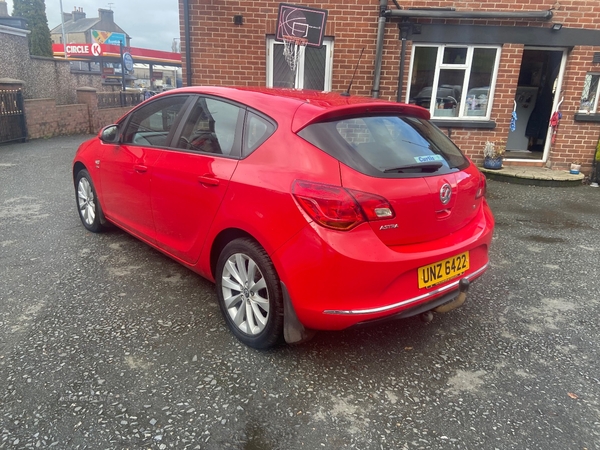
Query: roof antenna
{"x": 347, "y": 93}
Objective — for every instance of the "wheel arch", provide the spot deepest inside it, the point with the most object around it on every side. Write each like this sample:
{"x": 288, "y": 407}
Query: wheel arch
{"x": 221, "y": 240}
{"x": 77, "y": 167}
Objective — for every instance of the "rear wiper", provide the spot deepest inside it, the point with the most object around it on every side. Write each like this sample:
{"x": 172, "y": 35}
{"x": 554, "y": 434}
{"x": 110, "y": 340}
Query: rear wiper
{"x": 429, "y": 167}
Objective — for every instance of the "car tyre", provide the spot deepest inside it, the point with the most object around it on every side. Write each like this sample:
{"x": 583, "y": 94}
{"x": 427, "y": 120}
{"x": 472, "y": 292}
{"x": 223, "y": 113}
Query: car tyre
{"x": 87, "y": 202}
{"x": 249, "y": 293}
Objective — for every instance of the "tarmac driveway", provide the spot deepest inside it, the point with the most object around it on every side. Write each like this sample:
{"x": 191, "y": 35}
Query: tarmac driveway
{"x": 106, "y": 343}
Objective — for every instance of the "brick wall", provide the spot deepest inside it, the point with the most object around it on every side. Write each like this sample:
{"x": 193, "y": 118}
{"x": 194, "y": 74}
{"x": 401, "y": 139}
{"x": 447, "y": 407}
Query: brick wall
{"x": 45, "y": 119}
{"x": 226, "y": 54}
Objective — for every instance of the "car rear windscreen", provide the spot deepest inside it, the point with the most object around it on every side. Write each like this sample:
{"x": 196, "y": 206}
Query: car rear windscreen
{"x": 387, "y": 145}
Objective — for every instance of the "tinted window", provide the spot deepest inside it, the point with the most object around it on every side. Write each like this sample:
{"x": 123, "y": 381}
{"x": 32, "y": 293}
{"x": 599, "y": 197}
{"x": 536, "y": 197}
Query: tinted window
{"x": 256, "y": 131}
{"x": 150, "y": 125}
{"x": 211, "y": 127}
{"x": 387, "y": 145}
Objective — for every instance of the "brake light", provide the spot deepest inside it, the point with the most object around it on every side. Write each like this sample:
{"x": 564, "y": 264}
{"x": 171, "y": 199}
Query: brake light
{"x": 338, "y": 208}
{"x": 482, "y": 188}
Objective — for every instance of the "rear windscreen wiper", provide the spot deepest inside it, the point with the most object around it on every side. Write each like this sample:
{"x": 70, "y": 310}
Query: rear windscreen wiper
{"x": 428, "y": 167}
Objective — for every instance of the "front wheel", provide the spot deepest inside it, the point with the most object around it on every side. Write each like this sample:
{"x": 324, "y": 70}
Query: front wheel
{"x": 87, "y": 202}
{"x": 249, "y": 294}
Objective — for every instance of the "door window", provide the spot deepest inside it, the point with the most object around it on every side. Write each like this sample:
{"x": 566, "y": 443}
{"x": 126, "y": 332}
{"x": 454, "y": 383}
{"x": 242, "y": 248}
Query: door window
{"x": 151, "y": 124}
{"x": 212, "y": 127}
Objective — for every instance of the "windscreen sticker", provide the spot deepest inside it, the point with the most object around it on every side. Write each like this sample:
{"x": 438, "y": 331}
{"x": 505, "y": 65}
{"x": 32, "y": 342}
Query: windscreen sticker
{"x": 429, "y": 158}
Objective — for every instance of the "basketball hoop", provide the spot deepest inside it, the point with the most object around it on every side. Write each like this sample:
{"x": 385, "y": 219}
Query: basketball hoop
{"x": 292, "y": 46}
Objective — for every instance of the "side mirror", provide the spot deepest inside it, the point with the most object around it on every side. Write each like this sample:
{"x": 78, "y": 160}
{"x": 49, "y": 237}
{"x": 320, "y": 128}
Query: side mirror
{"x": 110, "y": 134}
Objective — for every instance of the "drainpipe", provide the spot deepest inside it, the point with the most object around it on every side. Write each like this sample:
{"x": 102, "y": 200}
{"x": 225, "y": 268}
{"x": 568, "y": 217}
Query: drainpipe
{"x": 188, "y": 50}
{"x": 404, "y": 27}
{"x": 379, "y": 52}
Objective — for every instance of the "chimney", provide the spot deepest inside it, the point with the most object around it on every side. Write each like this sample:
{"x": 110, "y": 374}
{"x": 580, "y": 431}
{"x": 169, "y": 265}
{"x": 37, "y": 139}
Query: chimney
{"x": 106, "y": 15}
{"x": 3, "y": 9}
{"x": 78, "y": 14}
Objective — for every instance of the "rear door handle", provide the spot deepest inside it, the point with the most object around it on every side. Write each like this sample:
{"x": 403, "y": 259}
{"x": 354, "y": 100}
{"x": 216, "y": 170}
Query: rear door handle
{"x": 208, "y": 180}
{"x": 140, "y": 169}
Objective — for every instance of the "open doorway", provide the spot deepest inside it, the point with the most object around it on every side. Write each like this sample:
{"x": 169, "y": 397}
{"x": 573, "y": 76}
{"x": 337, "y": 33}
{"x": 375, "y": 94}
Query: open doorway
{"x": 537, "y": 95}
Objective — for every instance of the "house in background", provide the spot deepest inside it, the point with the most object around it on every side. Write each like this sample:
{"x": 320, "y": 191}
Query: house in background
{"x": 80, "y": 29}
{"x": 471, "y": 65}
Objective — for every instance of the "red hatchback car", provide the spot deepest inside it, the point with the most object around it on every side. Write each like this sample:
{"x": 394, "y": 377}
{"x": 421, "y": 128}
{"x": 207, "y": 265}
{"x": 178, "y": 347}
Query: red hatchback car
{"x": 309, "y": 210}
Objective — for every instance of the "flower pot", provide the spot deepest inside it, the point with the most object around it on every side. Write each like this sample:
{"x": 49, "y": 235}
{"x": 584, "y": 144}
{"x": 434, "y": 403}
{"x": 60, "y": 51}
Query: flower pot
{"x": 575, "y": 169}
{"x": 493, "y": 163}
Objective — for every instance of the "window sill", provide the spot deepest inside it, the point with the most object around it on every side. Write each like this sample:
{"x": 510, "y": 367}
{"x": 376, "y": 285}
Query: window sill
{"x": 487, "y": 124}
{"x": 582, "y": 117}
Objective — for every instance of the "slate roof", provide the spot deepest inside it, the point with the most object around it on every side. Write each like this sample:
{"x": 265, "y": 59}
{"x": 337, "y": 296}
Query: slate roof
{"x": 79, "y": 26}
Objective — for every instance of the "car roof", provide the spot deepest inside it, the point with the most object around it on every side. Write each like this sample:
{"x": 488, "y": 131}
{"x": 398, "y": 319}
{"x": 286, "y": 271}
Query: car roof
{"x": 306, "y": 106}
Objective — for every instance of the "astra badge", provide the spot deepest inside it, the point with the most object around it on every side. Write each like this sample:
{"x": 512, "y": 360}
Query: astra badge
{"x": 445, "y": 194}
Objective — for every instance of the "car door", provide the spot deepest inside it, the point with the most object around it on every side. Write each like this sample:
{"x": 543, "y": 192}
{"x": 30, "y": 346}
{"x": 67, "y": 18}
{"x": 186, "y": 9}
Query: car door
{"x": 190, "y": 181}
{"x": 126, "y": 167}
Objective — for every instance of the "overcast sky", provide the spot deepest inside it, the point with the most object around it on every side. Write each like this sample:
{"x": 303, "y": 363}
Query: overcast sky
{"x": 150, "y": 23}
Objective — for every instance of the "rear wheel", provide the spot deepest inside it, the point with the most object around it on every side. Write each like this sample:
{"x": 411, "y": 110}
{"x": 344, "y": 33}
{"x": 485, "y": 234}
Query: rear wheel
{"x": 87, "y": 202}
{"x": 249, "y": 294}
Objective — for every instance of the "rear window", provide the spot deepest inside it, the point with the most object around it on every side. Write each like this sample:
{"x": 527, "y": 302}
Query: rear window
{"x": 387, "y": 145}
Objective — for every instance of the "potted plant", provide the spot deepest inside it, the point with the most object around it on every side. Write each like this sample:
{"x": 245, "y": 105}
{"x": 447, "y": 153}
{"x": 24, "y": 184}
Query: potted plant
{"x": 493, "y": 154}
{"x": 575, "y": 167}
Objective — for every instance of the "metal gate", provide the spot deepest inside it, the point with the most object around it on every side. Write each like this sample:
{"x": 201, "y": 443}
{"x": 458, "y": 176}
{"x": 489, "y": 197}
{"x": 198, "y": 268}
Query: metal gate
{"x": 12, "y": 117}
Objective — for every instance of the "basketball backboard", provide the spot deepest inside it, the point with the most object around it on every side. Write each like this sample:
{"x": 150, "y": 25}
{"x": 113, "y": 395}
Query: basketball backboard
{"x": 301, "y": 22}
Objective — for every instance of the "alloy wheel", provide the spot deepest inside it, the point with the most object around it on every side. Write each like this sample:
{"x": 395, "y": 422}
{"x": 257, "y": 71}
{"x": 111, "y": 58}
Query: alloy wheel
{"x": 85, "y": 199}
{"x": 245, "y": 294}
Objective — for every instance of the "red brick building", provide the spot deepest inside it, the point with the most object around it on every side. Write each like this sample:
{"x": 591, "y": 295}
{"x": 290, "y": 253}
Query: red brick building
{"x": 483, "y": 60}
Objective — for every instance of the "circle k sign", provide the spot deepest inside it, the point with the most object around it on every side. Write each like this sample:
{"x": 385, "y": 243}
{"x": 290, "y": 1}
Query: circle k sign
{"x": 96, "y": 49}
{"x": 84, "y": 49}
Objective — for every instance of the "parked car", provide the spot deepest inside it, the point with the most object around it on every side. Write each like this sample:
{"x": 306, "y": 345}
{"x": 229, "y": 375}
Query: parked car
{"x": 309, "y": 211}
{"x": 447, "y": 97}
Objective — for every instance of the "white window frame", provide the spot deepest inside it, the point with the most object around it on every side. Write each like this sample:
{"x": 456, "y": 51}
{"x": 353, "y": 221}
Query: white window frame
{"x": 439, "y": 65}
{"x": 593, "y": 109}
{"x": 299, "y": 83}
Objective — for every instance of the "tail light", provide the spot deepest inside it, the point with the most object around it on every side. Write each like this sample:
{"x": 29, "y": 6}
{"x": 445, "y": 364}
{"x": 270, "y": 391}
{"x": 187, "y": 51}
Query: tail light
{"x": 338, "y": 208}
{"x": 482, "y": 188}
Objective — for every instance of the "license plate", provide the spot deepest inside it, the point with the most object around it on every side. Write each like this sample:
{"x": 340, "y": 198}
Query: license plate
{"x": 441, "y": 271}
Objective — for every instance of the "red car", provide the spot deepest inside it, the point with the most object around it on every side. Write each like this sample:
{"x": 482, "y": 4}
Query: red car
{"x": 309, "y": 210}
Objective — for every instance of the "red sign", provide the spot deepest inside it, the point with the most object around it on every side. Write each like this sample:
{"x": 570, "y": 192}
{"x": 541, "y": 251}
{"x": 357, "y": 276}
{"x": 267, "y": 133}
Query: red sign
{"x": 142, "y": 55}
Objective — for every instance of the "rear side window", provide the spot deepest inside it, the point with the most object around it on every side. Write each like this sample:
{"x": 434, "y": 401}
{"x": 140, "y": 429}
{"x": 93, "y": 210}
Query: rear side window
{"x": 211, "y": 127}
{"x": 257, "y": 130}
{"x": 387, "y": 145}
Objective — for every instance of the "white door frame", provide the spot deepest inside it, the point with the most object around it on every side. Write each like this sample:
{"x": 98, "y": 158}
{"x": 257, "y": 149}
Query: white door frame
{"x": 555, "y": 102}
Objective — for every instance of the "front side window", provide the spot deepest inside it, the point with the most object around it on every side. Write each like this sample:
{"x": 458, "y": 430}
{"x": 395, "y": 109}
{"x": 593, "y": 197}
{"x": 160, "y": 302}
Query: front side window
{"x": 589, "y": 95}
{"x": 453, "y": 82}
{"x": 151, "y": 124}
{"x": 313, "y": 71}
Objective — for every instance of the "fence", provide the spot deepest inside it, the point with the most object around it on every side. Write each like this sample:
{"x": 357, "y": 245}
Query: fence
{"x": 12, "y": 116}
{"x": 119, "y": 99}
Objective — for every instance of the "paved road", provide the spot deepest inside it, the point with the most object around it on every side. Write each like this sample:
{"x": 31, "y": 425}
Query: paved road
{"x": 106, "y": 343}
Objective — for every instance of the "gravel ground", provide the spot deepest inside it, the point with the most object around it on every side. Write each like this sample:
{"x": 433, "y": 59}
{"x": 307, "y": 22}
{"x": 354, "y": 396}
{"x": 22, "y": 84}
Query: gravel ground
{"x": 105, "y": 343}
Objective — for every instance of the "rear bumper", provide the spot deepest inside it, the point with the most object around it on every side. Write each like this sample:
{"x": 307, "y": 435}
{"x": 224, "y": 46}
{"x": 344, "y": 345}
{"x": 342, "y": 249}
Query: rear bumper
{"x": 339, "y": 279}
{"x": 444, "y": 294}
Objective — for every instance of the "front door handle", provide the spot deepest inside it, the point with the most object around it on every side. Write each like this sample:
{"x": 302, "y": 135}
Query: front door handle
{"x": 140, "y": 169}
{"x": 208, "y": 180}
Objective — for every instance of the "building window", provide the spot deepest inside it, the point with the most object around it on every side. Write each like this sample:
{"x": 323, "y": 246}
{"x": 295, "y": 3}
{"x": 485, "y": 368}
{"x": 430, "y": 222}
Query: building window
{"x": 454, "y": 82}
{"x": 589, "y": 96}
{"x": 314, "y": 67}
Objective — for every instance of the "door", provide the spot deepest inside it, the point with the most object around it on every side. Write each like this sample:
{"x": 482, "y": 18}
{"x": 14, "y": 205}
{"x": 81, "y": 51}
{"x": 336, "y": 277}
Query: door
{"x": 189, "y": 183}
{"x": 537, "y": 97}
{"x": 126, "y": 168}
